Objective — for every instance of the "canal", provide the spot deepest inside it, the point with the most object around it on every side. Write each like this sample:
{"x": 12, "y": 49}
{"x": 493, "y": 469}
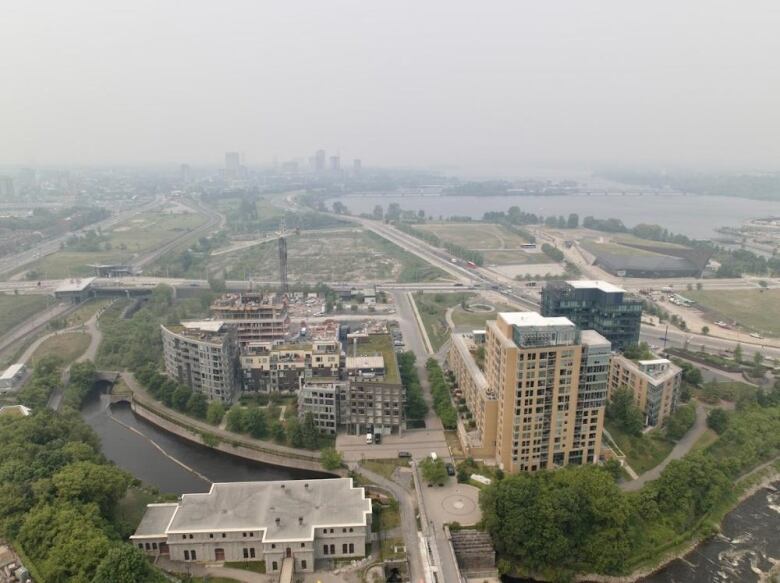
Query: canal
{"x": 141, "y": 455}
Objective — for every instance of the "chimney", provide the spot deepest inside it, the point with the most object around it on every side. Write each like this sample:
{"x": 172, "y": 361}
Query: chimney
{"x": 278, "y": 521}
{"x": 300, "y": 520}
{"x": 306, "y": 486}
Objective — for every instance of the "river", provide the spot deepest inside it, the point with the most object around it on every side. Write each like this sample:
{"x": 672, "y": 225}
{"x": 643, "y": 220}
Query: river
{"x": 696, "y": 216}
{"x": 142, "y": 459}
{"x": 744, "y": 551}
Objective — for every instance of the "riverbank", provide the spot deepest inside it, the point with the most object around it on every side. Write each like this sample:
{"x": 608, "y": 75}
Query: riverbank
{"x": 203, "y": 434}
{"x": 759, "y": 478}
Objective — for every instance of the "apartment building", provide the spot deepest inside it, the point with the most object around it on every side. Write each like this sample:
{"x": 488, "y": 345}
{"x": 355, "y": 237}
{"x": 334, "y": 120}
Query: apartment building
{"x": 324, "y": 398}
{"x": 596, "y": 305}
{"x": 257, "y": 317}
{"x": 204, "y": 356}
{"x": 533, "y": 362}
{"x": 481, "y": 399}
{"x": 655, "y": 384}
{"x": 591, "y": 398}
{"x": 301, "y": 521}
{"x": 270, "y": 368}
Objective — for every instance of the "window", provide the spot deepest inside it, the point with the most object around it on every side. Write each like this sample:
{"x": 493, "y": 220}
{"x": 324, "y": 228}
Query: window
{"x": 252, "y": 553}
{"x": 303, "y": 563}
{"x": 351, "y": 548}
{"x": 184, "y": 536}
{"x": 154, "y": 546}
{"x": 274, "y": 566}
{"x": 332, "y": 549}
{"x": 243, "y": 534}
{"x": 190, "y": 536}
{"x": 324, "y": 549}
{"x": 192, "y": 554}
{"x": 246, "y": 553}
{"x": 351, "y": 529}
{"x": 303, "y": 545}
{"x": 186, "y": 555}
{"x": 251, "y": 534}
{"x": 141, "y": 546}
{"x": 223, "y": 535}
{"x": 211, "y": 535}
{"x": 273, "y": 545}
{"x": 344, "y": 549}
{"x": 147, "y": 546}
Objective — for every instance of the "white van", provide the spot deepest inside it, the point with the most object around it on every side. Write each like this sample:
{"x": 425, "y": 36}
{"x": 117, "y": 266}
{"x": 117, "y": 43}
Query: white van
{"x": 369, "y": 438}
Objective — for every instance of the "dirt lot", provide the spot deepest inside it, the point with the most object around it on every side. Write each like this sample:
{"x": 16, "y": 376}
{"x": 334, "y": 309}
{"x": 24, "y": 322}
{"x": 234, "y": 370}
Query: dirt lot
{"x": 497, "y": 244}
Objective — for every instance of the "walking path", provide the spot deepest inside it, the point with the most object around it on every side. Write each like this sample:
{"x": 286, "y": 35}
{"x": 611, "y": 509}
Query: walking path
{"x": 681, "y": 448}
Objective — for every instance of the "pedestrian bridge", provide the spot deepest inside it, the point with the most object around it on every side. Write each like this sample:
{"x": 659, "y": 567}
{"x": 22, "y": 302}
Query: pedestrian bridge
{"x": 286, "y": 574}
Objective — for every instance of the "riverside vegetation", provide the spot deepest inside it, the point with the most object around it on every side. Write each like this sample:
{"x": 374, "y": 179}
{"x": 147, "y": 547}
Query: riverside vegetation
{"x": 577, "y": 519}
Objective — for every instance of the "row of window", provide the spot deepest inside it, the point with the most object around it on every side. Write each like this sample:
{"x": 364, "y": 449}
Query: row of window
{"x": 346, "y": 549}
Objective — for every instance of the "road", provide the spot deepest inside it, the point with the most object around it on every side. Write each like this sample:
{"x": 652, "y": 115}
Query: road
{"x": 13, "y": 262}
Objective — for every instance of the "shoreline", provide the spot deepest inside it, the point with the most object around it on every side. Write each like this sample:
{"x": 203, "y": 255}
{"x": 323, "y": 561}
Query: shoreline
{"x": 665, "y": 559}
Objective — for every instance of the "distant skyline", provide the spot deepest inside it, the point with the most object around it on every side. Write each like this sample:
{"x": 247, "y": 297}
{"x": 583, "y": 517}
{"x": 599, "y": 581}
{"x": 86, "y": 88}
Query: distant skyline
{"x": 498, "y": 88}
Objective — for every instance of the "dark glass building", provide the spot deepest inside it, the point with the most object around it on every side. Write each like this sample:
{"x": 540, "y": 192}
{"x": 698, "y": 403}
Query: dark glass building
{"x": 596, "y": 305}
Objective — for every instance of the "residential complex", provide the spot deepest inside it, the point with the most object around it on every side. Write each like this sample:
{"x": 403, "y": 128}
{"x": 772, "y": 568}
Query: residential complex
{"x": 203, "y": 355}
{"x": 257, "y": 317}
{"x": 325, "y": 399}
{"x": 596, "y": 305}
{"x": 272, "y": 368}
{"x": 540, "y": 402}
{"x": 654, "y": 383}
{"x": 298, "y": 521}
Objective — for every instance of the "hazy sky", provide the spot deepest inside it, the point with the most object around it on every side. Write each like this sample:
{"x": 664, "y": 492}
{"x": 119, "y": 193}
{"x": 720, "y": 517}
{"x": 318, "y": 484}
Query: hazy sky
{"x": 479, "y": 86}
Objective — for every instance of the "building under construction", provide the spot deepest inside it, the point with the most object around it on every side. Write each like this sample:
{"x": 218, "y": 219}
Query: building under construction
{"x": 257, "y": 317}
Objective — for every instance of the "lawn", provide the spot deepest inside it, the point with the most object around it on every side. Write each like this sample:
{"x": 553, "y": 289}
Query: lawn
{"x": 477, "y": 236}
{"x": 506, "y": 257}
{"x": 624, "y": 237}
{"x": 617, "y": 249}
{"x": 67, "y": 346}
{"x": 389, "y": 546}
{"x": 454, "y": 444}
{"x": 462, "y": 317}
{"x": 432, "y": 308}
{"x": 381, "y": 344}
{"x": 85, "y": 311}
{"x": 16, "y": 309}
{"x": 642, "y": 453}
{"x": 386, "y": 516}
{"x": 707, "y": 439}
{"x": 144, "y": 232}
{"x": 385, "y": 467}
{"x": 254, "y": 566}
{"x": 713, "y": 392}
{"x": 756, "y": 310}
{"x": 341, "y": 255}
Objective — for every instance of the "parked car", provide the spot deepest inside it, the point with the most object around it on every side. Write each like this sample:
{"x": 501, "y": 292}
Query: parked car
{"x": 377, "y": 438}
{"x": 369, "y": 438}
{"x": 404, "y": 454}
{"x": 450, "y": 469}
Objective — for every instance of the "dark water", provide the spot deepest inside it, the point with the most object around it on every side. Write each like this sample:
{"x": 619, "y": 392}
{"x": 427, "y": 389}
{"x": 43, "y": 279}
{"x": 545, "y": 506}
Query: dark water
{"x": 696, "y": 216}
{"x": 138, "y": 456}
{"x": 746, "y": 549}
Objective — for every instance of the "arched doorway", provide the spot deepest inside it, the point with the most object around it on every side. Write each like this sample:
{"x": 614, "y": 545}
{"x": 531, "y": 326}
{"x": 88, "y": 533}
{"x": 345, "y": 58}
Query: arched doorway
{"x": 288, "y": 552}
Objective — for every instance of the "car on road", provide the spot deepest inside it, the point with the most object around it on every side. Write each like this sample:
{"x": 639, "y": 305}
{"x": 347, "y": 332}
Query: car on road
{"x": 377, "y": 438}
{"x": 369, "y": 438}
{"x": 404, "y": 454}
{"x": 450, "y": 469}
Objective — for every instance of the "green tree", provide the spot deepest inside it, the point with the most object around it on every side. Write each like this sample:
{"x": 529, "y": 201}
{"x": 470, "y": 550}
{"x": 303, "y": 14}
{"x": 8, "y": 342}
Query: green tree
{"x": 433, "y": 471}
{"x": 215, "y": 412}
{"x": 91, "y": 482}
{"x": 331, "y": 459}
{"x": 295, "y": 432}
{"x": 718, "y": 420}
{"x": 181, "y": 397}
{"x": 123, "y": 563}
{"x": 622, "y": 410}
{"x": 738, "y": 353}
{"x": 255, "y": 422}
{"x": 758, "y": 359}
{"x": 235, "y": 419}
{"x": 277, "y": 432}
{"x": 310, "y": 433}
{"x": 705, "y": 330}
{"x": 197, "y": 405}
{"x": 680, "y": 422}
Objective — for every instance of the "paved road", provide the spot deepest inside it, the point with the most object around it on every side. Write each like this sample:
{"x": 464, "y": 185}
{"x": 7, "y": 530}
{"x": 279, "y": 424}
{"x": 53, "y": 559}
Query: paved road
{"x": 406, "y": 504}
{"x": 680, "y": 449}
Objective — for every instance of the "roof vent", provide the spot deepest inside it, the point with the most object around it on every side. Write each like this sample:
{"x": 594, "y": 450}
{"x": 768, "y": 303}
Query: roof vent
{"x": 300, "y": 520}
{"x": 282, "y": 486}
{"x": 306, "y": 486}
{"x": 278, "y": 521}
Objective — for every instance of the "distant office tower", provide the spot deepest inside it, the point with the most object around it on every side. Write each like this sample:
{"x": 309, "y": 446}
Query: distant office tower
{"x": 185, "y": 174}
{"x": 6, "y": 187}
{"x": 534, "y": 364}
{"x": 596, "y": 305}
{"x": 357, "y": 166}
{"x": 233, "y": 167}
{"x": 335, "y": 163}
{"x": 319, "y": 161}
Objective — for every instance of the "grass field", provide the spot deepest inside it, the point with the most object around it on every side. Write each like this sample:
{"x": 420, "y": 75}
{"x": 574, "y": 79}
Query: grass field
{"x": 513, "y": 257}
{"x": 615, "y": 248}
{"x": 342, "y": 255}
{"x": 85, "y": 311}
{"x": 432, "y": 308}
{"x": 66, "y": 346}
{"x": 625, "y": 237}
{"x": 385, "y": 467}
{"x": 461, "y": 317}
{"x": 497, "y": 244}
{"x": 142, "y": 233}
{"x": 16, "y": 309}
{"x": 756, "y": 310}
{"x": 642, "y": 453}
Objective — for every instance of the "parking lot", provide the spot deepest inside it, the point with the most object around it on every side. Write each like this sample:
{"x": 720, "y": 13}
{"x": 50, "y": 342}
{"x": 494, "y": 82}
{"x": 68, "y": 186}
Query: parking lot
{"x": 418, "y": 442}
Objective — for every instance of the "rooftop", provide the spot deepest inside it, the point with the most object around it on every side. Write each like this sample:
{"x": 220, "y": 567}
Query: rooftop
{"x": 241, "y": 506}
{"x": 593, "y": 338}
{"x": 534, "y": 319}
{"x": 15, "y": 411}
{"x": 156, "y": 520}
{"x": 204, "y": 325}
{"x": 379, "y": 344}
{"x": 12, "y": 371}
{"x": 247, "y": 301}
{"x": 604, "y": 286}
{"x": 360, "y": 362}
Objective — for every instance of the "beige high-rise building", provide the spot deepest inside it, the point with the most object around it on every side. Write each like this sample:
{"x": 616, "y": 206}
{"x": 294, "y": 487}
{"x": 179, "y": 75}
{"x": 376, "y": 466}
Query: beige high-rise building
{"x": 548, "y": 416}
{"x": 655, "y": 384}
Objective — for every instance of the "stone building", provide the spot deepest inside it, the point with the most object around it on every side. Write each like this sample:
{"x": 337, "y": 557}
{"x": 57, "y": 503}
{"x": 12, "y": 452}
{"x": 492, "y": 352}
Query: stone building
{"x": 298, "y": 521}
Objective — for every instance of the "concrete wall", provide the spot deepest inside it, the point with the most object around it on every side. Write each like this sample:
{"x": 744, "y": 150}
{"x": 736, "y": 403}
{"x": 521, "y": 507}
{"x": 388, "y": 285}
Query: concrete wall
{"x": 266, "y": 457}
